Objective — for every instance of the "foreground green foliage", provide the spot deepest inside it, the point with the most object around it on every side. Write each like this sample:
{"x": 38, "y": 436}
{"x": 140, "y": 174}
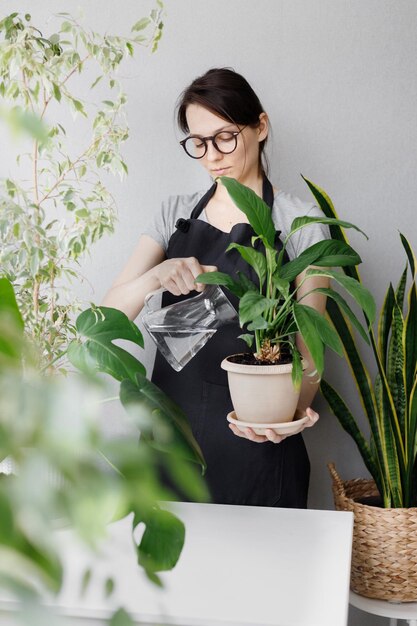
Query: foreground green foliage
{"x": 65, "y": 468}
{"x": 390, "y": 400}
{"x": 270, "y": 311}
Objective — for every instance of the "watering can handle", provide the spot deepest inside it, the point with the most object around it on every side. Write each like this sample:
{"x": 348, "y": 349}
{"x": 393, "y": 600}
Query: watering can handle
{"x": 150, "y": 295}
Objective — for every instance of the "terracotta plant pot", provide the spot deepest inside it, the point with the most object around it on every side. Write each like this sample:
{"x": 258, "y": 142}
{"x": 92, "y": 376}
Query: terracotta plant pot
{"x": 262, "y": 393}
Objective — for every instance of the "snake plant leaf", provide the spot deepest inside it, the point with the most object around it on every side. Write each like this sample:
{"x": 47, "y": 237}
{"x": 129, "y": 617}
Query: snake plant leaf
{"x": 141, "y": 395}
{"x": 220, "y": 278}
{"x": 410, "y": 255}
{"x": 384, "y": 325}
{"x": 162, "y": 541}
{"x": 328, "y": 209}
{"x": 413, "y": 426}
{"x": 255, "y": 209}
{"x": 358, "y": 292}
{"x": 305, "y": 220}
{"x": 330, "y": 293}
{"x": 252, "y": 305}
{"x": 400, "y": 291}
{"x": 8, "y": 304}
{"x": 327, "y": 253}
{"x": 410, "y": 339}
{"x": 308, "y": 330}
{"x": 94, "y": 349}
{"x": 253, "y": 257}
{"x": 359, "y": 371}
{"x": 348, "y": 423}
{"x": 395, "y": 366}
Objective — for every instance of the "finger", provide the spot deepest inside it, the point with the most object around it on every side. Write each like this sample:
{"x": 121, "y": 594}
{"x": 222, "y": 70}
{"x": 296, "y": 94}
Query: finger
{"x": 273, "y": 436}
{"x": 252, "y": 436}
{"x": 171, "y": 286}
{"x": 181, "y": 284}
{"x": 313, "y": 418}
{"x": 236, "y": 431}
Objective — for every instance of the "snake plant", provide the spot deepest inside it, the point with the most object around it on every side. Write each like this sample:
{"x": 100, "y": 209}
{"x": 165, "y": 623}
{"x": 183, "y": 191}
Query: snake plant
{"x": 390, "y": 400}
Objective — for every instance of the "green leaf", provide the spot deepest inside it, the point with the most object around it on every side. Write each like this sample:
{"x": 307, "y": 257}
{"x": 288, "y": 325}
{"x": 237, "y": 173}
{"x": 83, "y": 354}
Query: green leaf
{"x": 141, "y": 24}
{"x": 8, "y": 304}
{"x": 310, "y": 336}
{"x": 330, "y": 293}
{"x": 57, "y": 92}
{"x": 258, "y": 323}
{"x": 162, "y": 541}
{"x": 410, "y": 339}
{"x": 254, "y": 258}
{"x": 255, "y": 209}
{"x": 281, "y": 284}
{"x": 327, "y": 253}
{"x": 142, "y": 396}
{"x": 248, "y": 339}
{"x": 395, "y": 366}
{"x": 252, "y": 305}
{"x": 121, "y": 618}
{"x": 358, "y": 292}
{"x": 324, "y": 330}
{"x": 410, "y": 255}
{"x": 99, "y": 327}
{"x": 384, "y": 325}
{"x": 297, "y": 369}
{"x": 348, "y": 422}
{"x": 219, "y": 278}
{"x": 301, "y": 222}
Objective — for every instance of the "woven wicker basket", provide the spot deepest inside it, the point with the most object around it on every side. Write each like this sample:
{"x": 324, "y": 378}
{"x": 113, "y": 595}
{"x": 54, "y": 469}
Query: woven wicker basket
{"x": 384, "y": 552}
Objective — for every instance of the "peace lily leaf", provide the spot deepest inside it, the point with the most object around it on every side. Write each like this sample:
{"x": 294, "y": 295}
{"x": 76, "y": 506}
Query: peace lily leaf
{"x": 281, "y": 284}
{"x": 324, "y": 330}
{"x": 254, "y": 258}
{"x": 252, "y": 305}
{"x": 330, "y": 293}
{"x": 162, "y": 541}
{"x": 297, "y": 370}
{"x": 95, "y": 350}
{"x": 255, "y": 209}
{"x": 310, "y": 336}
{"x": 8, "y": 303}
{"x": 245, "y": 283}
{"x": 258, "y": 323}
{"x": 327, "y": 253}
{"x": 247, "y": 338}
{"x": 140, "y": 396}
{"x": 301, "y": 222}
{"x": 219, "y": 278}
{"x": 358, "y": 292}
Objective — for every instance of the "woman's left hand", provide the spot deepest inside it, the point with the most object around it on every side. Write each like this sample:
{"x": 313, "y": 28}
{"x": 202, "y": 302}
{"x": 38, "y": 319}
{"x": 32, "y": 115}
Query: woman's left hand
{"x": 270, "y": 434}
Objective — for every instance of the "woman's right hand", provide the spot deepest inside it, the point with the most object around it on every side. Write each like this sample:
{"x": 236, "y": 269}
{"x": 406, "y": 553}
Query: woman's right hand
{"x": 178, "y": 275}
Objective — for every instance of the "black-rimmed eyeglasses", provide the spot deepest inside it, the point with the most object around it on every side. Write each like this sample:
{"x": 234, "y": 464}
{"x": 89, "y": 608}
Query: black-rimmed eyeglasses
{"x": 224, "y": 141}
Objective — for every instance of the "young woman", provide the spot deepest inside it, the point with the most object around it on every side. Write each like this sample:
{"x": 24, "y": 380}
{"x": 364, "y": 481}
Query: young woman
{"x": 226, "y": 129}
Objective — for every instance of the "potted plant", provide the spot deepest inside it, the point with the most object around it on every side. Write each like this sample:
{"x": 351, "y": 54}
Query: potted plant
{"x": 265, "y": 384}
{"x": 384, "y": 558}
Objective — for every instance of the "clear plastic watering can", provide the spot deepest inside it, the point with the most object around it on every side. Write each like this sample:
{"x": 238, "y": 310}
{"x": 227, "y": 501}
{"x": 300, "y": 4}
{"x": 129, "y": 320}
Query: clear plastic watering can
{"x": 181, "y": 329}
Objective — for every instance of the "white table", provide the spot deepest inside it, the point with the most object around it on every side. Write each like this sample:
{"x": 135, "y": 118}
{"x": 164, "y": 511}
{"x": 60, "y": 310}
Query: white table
{"x": 394, "y": 610}
{"x": 240, "y": 566}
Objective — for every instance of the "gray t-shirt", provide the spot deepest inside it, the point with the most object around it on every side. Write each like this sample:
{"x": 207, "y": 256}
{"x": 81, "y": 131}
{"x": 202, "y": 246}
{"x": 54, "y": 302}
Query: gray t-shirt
{"x": 285, "y": 209}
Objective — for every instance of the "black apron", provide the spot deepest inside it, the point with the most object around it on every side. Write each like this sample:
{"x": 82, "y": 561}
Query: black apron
{"x": 239, "y": 471}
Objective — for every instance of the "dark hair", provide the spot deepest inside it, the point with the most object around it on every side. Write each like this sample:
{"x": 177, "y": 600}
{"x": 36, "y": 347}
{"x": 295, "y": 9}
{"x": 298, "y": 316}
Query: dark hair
{"x": 227, "y": 94}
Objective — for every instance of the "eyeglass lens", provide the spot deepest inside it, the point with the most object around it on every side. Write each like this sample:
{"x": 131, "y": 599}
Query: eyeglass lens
{"x": 225, "y": 142}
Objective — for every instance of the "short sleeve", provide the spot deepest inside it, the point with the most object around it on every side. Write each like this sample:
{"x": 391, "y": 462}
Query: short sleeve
{"x": 288, "y": 207}
{"x": 161, "y": 225}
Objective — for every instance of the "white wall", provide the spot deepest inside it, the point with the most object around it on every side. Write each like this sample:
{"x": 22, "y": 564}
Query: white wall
{"x": 338, "y": 79}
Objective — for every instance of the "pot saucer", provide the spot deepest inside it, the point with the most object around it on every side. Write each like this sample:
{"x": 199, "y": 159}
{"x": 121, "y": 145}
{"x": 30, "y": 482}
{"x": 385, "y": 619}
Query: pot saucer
{"x": 283, "y": 428}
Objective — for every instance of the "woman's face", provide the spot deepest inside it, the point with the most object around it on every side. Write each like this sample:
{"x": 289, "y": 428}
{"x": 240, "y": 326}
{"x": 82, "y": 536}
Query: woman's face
{"x": 241, "y": 164}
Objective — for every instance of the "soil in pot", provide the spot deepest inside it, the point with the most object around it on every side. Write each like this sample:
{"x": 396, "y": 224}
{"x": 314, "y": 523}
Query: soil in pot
{"x": 248, "y": 358}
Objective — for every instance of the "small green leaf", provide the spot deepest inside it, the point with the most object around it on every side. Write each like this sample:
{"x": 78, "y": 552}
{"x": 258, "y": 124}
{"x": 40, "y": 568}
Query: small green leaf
{"x": 121, "y": 618}
{"x": 108, "y": 587}
{"x": 252, "y": 305}
{"x": 141, "y": 24}
{"x": 162, "y": 541}
{"x": 57, "y": 92}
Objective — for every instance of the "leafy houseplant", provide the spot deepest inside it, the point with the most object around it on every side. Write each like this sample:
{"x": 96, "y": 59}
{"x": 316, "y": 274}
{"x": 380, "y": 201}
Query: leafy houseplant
{"x": 58, "y": 204}
{"x": 384, "y": 556}
{"x": 390, "y": 402}
{"x": 49, "y": 428}
{"x": 269, "y": 310}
